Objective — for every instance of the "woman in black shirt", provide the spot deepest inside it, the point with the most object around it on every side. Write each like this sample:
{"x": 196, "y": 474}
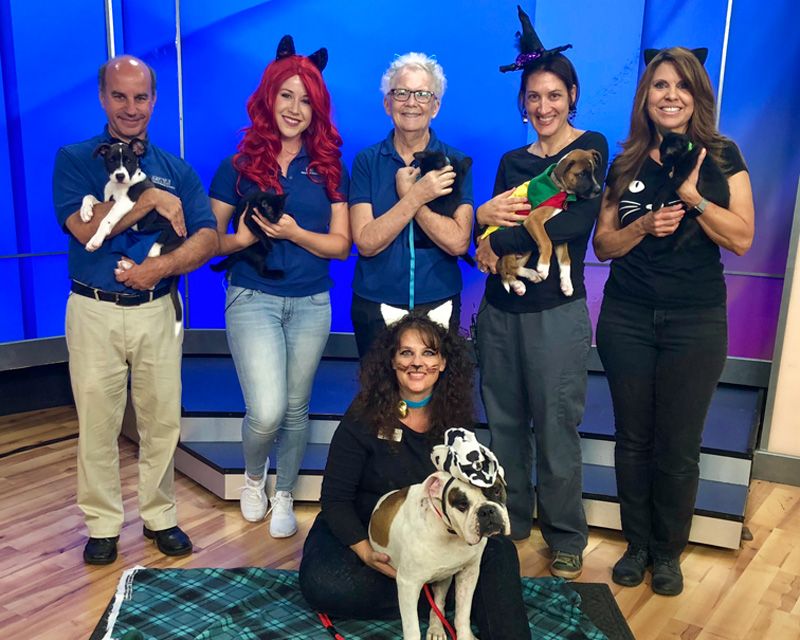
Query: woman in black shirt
{"x": 662, "y": 332}
{"x": 533, "y": 349}
{"x": 416, "y": 381}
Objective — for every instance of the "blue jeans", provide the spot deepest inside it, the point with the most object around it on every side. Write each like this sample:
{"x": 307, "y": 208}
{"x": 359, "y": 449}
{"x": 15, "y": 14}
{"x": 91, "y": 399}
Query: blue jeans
{"x": 662, "y": 367}
{"x": 276, "y": 344}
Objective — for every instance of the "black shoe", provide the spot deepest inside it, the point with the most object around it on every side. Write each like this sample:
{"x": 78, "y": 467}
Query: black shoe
{"x": 630, "y": 568}
{"x": 171, "y": 542}
{"x": 667, "y": 576}
{"x": 100, "y": 550}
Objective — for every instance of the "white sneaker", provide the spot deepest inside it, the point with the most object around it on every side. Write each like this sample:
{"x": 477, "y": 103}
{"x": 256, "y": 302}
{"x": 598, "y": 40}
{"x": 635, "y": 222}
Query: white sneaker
{"x": 253, "y": 501}
{"x": 283, "y": 523}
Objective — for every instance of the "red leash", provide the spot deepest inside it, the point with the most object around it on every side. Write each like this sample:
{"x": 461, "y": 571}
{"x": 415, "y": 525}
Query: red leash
{"x": 326, "y": 621}
{"x": 451, "y": 632}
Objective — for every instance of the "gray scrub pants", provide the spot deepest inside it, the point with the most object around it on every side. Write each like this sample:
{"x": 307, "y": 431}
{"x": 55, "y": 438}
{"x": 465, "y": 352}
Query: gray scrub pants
{"x": 533, "y": 370}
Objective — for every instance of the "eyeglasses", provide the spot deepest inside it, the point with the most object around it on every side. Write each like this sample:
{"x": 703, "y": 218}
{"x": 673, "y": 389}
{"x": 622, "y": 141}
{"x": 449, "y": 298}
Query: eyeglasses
{"x": 402, "y": 95}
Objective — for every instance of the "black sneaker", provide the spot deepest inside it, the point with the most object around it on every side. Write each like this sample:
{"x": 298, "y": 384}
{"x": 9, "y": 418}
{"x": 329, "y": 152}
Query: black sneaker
{"x": 667, "y": 576}
{"x": 100, "y": 550}
{"x": 630, "y": 568}
{"x": 566, "y": 565}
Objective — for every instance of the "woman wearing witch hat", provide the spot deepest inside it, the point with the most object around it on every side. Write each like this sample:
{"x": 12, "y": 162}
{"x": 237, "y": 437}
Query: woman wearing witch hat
{"x": 277, "y": 327}
{"x": 662, "y": 332}
{"x": 533, "y": 348}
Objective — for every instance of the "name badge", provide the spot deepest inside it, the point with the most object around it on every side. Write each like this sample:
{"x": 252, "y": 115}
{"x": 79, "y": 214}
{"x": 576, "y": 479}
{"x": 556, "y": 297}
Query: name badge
{"x": 396, "y": 435}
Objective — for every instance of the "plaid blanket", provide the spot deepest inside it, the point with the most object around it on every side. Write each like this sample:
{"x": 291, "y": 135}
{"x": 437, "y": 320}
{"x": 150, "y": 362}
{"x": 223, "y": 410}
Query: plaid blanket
{"x": 258, "y": 604}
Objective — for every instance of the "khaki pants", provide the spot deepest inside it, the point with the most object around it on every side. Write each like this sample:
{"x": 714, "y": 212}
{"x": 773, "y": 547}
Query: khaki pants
{"x": 105, "y": 343}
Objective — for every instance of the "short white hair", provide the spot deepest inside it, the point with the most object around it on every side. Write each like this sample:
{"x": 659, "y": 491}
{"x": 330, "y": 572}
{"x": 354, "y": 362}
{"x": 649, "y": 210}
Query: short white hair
{"x": 419, "y": 61}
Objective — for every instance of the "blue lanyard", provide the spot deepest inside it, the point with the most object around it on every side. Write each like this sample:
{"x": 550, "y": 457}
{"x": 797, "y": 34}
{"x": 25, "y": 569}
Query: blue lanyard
{"x": 413, "y": 259}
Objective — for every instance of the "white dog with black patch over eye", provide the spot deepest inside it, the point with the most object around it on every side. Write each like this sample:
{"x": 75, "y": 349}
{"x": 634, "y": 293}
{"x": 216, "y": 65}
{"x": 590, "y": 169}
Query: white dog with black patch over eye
{"x": 437, "y": 529}
{"x": 126, "y": 182}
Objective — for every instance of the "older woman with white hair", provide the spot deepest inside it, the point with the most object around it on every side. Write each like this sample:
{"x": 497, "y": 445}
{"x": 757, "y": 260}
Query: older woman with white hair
{"x": 407, "y": 254}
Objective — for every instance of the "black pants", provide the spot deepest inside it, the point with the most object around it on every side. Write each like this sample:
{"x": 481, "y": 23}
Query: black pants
{"x": 662, "y": 367}
{"x": 333, "y": 580}
{"x": 368, "y": 321}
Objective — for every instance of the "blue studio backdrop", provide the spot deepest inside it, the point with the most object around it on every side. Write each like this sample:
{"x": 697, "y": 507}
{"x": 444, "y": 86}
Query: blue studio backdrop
{"x": 48, "y": 97}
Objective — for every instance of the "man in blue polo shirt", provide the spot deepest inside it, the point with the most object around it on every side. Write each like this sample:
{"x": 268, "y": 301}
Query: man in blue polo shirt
{"x": 407, "y": 254}
{"x": 122, "y": 320}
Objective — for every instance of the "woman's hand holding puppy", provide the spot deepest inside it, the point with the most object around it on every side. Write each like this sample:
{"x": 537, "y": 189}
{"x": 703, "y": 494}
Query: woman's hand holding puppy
{"x": 503, "y": 210}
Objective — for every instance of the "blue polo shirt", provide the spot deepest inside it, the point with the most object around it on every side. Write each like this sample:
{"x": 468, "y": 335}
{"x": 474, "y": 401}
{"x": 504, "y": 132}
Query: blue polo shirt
{"x": 77, "y": 174}
{"x": 308, "y": 203}
{"x": 385, "y": 277}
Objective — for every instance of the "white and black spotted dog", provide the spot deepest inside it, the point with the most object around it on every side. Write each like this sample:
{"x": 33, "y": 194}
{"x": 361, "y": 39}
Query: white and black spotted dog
{"x": 126, "y": 182}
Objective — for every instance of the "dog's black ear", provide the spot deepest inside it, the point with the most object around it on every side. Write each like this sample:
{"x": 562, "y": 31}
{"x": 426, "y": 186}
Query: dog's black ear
{"x": 280, "y": 200}
{"x": 138, "y": 147}
{"x": 701, "y": 54}
{"x": 285, "y": 47}
{"x": 419, "y": 156}
{"x": 101, "y": 150}
{"x": 319, "y": 58}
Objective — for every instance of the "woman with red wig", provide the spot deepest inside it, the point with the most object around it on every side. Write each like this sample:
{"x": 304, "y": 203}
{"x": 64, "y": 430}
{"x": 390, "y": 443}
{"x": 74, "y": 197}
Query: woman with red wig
{"x": 278, "y": 312}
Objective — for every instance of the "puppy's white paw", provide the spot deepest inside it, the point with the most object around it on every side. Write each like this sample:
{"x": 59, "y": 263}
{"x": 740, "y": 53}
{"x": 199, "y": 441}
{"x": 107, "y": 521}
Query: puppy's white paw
{"x": 518, "y": 287}
{"x": 87, "y": 210}
{"x": 94, "y": 244}
{"x": 436, "y": 631}
{"x": 566, "y": 287}
{"x": 529, "y": 274}
{"x": 124, "y": 265}
{"x": 543, "y": 270}
{"x": 465, "y": 634}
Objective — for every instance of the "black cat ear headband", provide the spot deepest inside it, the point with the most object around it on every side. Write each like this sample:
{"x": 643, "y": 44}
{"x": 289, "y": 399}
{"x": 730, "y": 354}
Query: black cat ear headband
{"x": 701, "y": 54}
{"x": 286, "y": 48}
{"x": 531, "y": 49}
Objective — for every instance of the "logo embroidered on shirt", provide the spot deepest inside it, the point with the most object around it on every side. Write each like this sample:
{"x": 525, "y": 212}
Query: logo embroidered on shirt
{"x": 162, "y": 182}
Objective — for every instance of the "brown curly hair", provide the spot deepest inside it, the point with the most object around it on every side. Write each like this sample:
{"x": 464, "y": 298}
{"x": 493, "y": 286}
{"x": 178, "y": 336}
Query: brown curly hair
{"x": 451, "y": 404}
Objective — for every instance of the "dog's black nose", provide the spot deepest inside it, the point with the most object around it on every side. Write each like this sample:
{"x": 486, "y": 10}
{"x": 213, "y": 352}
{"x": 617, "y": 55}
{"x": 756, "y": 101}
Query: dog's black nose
{"x": 119, "y": 176}
{"x": 490, "y": 521}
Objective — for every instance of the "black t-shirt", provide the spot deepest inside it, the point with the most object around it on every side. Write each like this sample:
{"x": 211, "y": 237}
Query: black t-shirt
{"x": 573, "y": 226}
{"x": 677, "y": 271}
{"x": 362, "y": 467}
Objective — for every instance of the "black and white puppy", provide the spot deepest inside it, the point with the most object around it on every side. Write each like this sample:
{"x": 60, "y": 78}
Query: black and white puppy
{"x": 270, "y": 207}
{"x": 126, "y": 183}
{"x": 443, "y": 205}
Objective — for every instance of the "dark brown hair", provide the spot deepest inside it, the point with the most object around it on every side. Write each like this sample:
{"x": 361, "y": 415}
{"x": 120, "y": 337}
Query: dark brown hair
{"x": 451, "y": 404}
{"x": 643, "y": 135}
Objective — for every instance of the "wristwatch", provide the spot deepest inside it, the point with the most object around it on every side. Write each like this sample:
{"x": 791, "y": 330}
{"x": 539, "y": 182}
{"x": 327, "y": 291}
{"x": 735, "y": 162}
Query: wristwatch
{"x": 700, "y": 207}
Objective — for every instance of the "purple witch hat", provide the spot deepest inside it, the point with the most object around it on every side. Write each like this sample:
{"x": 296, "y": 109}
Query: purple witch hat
{"x": 531, "y": 49}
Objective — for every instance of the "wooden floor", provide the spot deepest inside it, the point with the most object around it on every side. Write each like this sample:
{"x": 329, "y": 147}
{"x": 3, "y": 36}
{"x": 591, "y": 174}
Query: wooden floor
{"x": 47, "y": 593}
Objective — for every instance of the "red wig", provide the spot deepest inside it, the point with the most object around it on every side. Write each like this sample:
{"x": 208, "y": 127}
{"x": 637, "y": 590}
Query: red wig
{"x": 257, "y": 158}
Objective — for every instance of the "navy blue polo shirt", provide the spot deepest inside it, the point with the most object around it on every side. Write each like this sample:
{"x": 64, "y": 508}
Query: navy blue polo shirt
{"x": 385, "y": 277}
{"x": 77, "y": 174}
{"x": 308, "y": 203}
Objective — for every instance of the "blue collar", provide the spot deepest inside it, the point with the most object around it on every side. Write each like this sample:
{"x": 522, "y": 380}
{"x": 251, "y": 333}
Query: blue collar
{"x": 411, "y": 404}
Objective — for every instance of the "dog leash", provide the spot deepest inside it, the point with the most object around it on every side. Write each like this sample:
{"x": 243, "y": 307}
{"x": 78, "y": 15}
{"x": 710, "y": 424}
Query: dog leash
{"x": 326, "y": 621}
{"x": 412, "y": 265}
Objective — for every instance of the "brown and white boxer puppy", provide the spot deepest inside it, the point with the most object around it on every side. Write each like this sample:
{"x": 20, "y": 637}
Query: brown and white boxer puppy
{"x": 574, "y": 174}
{"x": 437, "y": 529}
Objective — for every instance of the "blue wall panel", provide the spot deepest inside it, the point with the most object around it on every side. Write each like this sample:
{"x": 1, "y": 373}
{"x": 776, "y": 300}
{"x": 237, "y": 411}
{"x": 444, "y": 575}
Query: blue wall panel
{"x": 8, "y": 243}
{"x": 50, "y": 289}
{"x": 11, "y": 327}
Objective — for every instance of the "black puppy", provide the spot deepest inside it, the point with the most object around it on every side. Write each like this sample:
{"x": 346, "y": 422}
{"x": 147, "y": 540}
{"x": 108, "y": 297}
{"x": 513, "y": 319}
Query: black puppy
{"x": 269, "y": 206}
{"x": 678, "y": 159}
{"x": 443, "y": 205}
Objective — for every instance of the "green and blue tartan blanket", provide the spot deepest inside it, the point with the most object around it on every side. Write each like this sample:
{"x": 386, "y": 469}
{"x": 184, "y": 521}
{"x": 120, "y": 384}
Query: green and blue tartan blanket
{"x": 259, "y": 604}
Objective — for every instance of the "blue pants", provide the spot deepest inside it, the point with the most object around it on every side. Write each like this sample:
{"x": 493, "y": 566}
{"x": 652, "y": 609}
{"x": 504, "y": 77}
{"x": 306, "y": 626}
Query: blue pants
{"x": 276, "y": 344}
{"x": 662, "y": 367}
{"x": 533, "y": 370}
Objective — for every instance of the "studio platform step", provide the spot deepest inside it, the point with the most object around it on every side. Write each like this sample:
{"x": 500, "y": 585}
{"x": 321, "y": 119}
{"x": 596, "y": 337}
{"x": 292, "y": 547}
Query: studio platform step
{"x": 213, "y": 406}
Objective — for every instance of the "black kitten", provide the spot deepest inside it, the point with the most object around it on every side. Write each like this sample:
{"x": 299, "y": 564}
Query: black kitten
{"x": 443, "y": 205}
{"x": 270, "y": 206}
{"x": 678, "y": 159}
{"x": 434, "y": 160}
